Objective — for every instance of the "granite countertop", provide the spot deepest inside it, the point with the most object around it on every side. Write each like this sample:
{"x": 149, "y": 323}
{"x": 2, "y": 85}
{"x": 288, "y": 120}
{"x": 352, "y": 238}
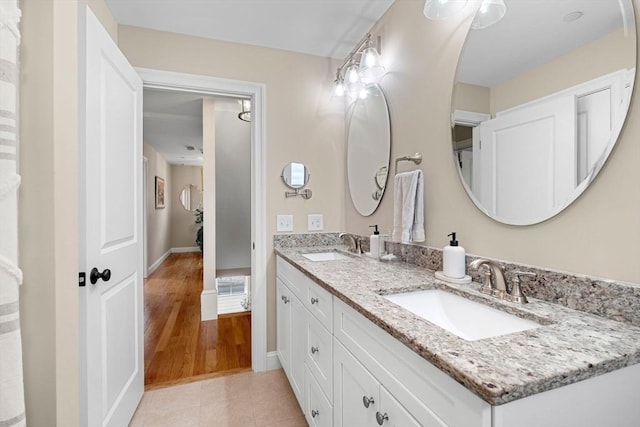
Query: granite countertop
{"x": 570, "y": 346}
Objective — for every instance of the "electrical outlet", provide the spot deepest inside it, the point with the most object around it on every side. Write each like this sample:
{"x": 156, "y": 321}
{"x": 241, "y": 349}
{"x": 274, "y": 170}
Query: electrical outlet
{"x": 284, "y": 223}
{"x": 314, "y": 222}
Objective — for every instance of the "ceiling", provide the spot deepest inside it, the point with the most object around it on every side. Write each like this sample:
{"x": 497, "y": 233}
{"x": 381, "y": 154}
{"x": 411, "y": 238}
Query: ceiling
{"x": 328, "y": 28}
{"x": 173, "y": 121}
{"x": 532, "y": 33}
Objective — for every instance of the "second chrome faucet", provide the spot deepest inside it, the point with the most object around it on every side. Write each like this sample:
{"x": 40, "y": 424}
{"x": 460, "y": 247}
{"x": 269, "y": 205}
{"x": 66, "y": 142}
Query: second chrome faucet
{"x": 494, "y": 282}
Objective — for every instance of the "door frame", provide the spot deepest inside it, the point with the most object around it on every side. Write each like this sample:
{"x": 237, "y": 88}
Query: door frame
{"x": 168, "y": 80}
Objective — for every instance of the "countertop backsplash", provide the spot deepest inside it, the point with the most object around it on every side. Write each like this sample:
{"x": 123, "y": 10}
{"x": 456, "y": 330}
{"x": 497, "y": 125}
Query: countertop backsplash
{"x": 619, "y": 301}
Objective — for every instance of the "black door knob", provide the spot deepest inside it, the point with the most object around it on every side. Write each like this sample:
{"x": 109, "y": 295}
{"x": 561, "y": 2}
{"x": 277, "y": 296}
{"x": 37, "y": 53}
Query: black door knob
{"x": 95, "y": 275}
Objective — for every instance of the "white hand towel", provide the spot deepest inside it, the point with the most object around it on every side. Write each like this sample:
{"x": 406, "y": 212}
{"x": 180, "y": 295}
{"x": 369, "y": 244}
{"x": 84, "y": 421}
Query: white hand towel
{"x": 408, "y": 209}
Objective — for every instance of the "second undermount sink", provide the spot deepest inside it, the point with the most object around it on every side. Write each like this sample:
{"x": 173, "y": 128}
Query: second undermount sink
{"x": 325, "y": 256}
{"x": 465, "y": 318}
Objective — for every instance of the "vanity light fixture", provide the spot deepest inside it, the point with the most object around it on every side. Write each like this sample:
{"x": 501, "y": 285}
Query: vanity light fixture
{"x": 245, "y": 114}
{"x": 362, "y": 67}
{"x": 443, "y": 9}
{"x": 490, "y": 13}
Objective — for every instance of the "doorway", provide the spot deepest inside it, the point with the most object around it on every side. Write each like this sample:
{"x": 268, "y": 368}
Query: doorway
{"x": 256, "y": 286}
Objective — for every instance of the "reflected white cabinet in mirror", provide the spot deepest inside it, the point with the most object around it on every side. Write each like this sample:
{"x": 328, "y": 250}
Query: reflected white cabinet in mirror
{"x": 190, "y": 197}
{"x": 368, "y": 150}
{"x": 539, "y": 101}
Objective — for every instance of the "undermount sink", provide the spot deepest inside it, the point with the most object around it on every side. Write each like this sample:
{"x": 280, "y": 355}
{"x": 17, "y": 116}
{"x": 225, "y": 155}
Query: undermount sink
{"x": 325, "y": 256}
{"x": 465, "y": 318}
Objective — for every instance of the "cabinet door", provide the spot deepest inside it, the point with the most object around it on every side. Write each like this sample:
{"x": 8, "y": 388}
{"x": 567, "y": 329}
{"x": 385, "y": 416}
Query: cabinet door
{"x": 298, "y": 344}
{"x": 317, "y": 408}
{"x": 283, "y": 320}
{"x": 355, "y": 391}
{"x": 393, "y": 414}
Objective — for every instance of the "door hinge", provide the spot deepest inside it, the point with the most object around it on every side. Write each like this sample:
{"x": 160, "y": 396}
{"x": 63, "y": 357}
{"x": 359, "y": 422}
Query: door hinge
{"x": 82, "y": 279}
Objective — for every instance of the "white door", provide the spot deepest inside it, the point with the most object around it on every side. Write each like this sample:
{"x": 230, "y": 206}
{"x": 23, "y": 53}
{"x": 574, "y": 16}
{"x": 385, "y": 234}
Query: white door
{"x": 526, "y": 161}
{"x": 283, "y": 321}
{"x": 110, "y": 185}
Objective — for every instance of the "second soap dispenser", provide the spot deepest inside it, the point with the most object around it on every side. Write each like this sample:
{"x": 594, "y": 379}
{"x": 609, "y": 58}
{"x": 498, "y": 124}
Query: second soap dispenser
{"x": 453, "y": 263}
{"x": 374, "y": 242}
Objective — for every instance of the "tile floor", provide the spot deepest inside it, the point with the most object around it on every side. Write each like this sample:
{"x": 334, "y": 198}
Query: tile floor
{"x": 249, "y": 399}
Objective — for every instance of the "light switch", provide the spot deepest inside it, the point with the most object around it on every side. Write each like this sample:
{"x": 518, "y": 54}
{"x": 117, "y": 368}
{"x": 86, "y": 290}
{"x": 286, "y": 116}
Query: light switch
{"x": 284, "y": 223}
{"x": 314, "y": 222}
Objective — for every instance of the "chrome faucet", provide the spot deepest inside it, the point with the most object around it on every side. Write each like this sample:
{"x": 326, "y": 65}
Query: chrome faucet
{"x": 354, "y": 243}
{"x": 494, "y": 282}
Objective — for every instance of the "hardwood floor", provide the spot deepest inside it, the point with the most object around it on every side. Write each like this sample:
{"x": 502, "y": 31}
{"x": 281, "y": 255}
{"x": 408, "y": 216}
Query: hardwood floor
{"x": 178, "y": 347}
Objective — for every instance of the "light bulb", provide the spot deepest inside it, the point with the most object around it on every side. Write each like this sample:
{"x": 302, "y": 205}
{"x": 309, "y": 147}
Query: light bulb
{"x": 490, "y": 13}
{"x": 370, "y": 70}
{"x": 352, "y": 82}
{"x": 338, "y": 89}
{"x": 443, "y": 9}
{"x": 363, "y": 93}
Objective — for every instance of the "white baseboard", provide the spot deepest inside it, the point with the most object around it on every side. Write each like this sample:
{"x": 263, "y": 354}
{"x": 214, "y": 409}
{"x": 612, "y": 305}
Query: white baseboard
{"x": 185, "y": 249}
{"x": 208, "y": 305}
{"x": 153, "y": 267}
{"x": 272, "y": 361}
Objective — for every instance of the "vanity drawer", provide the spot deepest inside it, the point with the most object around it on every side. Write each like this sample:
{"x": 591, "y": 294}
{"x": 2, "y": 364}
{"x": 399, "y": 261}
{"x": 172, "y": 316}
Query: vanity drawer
{"x": 319, "y": 355}
{"x": 318, "y": 409}
{"x": 319, "y": 302}
{"x": 293, "y": 278}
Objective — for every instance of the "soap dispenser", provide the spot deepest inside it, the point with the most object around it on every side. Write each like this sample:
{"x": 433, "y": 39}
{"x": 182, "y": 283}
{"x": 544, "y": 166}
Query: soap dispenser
{"x": 453, "y": 263}
{"x": 374, "y": 242}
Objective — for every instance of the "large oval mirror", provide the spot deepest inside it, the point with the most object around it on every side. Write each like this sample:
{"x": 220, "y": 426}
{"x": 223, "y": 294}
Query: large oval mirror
{"x": 539, "y": 101}
{"x": 190, "y": 197}
{"x": 368, "y": 150}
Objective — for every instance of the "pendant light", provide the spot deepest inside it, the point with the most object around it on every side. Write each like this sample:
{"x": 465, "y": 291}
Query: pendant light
{"x": 490, "y": 13}
{"x": 245, "y": 114}
{"x": 443, "y": 9}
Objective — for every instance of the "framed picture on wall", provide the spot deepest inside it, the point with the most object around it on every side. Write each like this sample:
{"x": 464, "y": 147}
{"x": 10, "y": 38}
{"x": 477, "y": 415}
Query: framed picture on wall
{"x": 159, "y": 193}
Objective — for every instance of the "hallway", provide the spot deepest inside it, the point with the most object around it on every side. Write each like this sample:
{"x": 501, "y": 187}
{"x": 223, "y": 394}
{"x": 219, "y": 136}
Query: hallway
{"x": 178, "y": 346}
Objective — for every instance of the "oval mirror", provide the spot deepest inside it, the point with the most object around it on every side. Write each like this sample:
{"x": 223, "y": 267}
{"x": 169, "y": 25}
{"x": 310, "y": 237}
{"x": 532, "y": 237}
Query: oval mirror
{"x": 190, "y": 197}
{"x": 368, "y": 150}
{"x": 539, "y": 100}
{"x": 295, "y": 175}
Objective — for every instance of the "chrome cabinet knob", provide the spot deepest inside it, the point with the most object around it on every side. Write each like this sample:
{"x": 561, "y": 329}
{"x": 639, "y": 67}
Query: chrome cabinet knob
{"x": 286, "y": 300}
{"x": 366, "y": 401}
{"x": 314, "y": 300}
{"x": 381, "y": 418}
{"x": 314, "y": 413}
{"x": 314, "y": 350}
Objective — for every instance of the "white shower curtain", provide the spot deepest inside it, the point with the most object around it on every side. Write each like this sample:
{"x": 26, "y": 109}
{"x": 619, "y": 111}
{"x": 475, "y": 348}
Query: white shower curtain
{"x": 12, "y": 412}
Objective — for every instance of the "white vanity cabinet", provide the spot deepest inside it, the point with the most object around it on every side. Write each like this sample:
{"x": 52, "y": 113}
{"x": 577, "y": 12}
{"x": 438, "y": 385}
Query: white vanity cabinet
{"x": 305, "y": 341}
{"x": 291, "y": 318}
{"x": 369, "y": 364}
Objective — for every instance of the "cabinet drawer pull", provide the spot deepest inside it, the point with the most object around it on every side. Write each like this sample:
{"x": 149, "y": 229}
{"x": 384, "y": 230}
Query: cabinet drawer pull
{"x": 380, "y": 418}
{"x": 286, "y": 300}
{"x": 366, "y": 401}
{"x": 314, "y": 350}
{"x": 314, "y": 413}
{"x": 314, "y": 300}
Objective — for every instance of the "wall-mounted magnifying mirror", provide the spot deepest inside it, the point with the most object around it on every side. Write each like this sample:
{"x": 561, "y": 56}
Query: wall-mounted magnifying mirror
{"x": 190, "y": 197}
{"x": 295, "y": 176}
{"x": 539, "y": 101}
{"x": 368, "y": 150}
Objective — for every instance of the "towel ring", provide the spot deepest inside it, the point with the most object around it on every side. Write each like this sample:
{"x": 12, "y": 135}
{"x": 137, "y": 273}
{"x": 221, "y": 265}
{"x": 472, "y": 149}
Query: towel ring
{"x": 416, "y": 158}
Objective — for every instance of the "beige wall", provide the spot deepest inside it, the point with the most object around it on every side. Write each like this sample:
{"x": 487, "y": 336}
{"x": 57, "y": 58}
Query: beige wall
{"x": 49, "y": 208}
{"x": 301, "y": 123}
{"x": 597, "y": 235}
{"x": 613, "y": 52}
{"x": 182, "y": 224}
{"x": 158, "y": 220}
{"x": 474, "y": 98}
